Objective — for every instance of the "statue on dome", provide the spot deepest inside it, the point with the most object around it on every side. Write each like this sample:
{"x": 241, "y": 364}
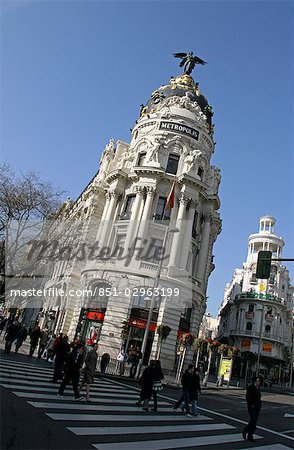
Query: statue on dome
{"x": 189, "y": 61}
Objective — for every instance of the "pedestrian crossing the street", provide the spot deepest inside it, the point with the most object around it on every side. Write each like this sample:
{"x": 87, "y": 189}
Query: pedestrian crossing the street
{"x": 112, "y": 421}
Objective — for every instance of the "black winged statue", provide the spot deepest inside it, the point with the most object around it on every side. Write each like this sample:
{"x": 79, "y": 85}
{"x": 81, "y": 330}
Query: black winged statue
{"x": 189, "y": 61}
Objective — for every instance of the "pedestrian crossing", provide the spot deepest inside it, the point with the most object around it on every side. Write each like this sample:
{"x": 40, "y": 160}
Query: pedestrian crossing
{"x": 112, "y": 421}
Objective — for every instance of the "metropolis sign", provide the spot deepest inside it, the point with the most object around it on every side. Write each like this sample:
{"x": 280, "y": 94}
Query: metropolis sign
{"x": 179, "y": 128}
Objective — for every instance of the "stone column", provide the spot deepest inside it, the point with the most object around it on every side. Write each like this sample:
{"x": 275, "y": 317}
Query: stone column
{"x": 175, "y": 252}
{"x": 188, "y": 235}
{"x": 105, "y": 209}
{"x": 146, "y": 212}
{"x": 204, "y": 248}
{"x": 134, "y": 219}
{"x": 108, "y": 219}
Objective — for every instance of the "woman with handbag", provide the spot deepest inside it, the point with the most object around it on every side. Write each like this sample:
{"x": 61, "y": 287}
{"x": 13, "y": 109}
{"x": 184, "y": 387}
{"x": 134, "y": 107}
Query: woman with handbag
{"x": 157, "y": 383}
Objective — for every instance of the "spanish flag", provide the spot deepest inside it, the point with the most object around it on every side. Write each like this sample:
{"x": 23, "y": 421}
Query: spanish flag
{"x": 170, "y": 202}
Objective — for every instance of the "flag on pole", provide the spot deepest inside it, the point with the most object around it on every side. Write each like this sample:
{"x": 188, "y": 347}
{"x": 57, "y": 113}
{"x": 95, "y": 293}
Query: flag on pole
{"x": 170, "y": 201}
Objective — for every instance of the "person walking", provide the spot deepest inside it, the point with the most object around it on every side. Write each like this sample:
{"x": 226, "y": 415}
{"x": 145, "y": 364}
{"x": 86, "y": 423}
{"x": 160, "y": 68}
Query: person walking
{"x": 61, "y": 351}
{"x": 253, "y": 399}
{"x": 10, "y": 337}
{"x": 43, "y": 342}
{"x": 146, "y": 382}
{"x": 90, "y": 368}
{"x": 73, "y": 364}
{"x": 35, "y": 336}
{"x": 20, "y": 337}
{"x": 186, "y": 388}
{"x": 134, "y": 359}
{"x": 105, "y": 358}
{"x": 194, "y": 390}
{"x": 49, "y": 347}
{"x": 157, "y": 382}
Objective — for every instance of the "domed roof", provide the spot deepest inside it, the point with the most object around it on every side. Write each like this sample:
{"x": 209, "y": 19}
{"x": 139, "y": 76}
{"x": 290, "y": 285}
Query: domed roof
{"x": 180, "y": 86}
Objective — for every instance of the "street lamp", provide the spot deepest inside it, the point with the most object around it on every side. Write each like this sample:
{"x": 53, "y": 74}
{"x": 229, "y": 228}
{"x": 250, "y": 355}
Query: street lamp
{"x": 156, "y": 282}
{"x": 260, "y": 338}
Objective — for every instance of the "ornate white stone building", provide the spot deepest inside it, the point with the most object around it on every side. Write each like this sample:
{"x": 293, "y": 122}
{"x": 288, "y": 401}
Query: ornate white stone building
{"x": 257, "y": 315}
{"x": 171, "y": 144}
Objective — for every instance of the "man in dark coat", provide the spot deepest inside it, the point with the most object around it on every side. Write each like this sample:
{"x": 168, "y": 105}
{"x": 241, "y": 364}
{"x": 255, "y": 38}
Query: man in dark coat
{"x": 194, "y": 390}
{"x": 186, "y": 388}
{"x": 146, "y": 382}
{"x": 253, "y": 399}
{"x": 20, "y": 337}
{"x": 11, "y": 334}
{"x": 61, "y": 351}
{"x": 73, "y": 364}
{"x": 35, "y": 336}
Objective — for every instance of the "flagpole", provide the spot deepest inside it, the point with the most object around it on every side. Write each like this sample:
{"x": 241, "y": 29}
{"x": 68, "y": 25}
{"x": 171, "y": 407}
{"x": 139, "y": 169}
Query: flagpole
{"x": 156, "y": 282}
{"x": 169, "y": 204}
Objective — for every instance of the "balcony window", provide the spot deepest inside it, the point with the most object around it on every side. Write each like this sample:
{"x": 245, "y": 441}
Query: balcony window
{"x": 267, "y": 329}
{"x": 172, "y": 164}
{"x": 128, "y": 207}
{"x": 249, "y": 326}
{"x": 251, "y": 308}
{"x": 162, "y": 213}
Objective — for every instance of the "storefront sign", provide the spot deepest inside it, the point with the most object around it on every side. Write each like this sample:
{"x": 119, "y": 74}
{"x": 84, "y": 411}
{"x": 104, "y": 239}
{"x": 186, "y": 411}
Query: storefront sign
{"x": 266, "y": 347}
{"x": 140, "y": 323}
{"x": 179, "y": 128}
{"x": 246, "y": 344}
{"x": 94, "y": 315}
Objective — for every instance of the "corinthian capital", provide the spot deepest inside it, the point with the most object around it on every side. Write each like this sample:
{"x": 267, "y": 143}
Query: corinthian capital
{"x": 184, "y": 199}
{"x": 207, "y": 217}
{"x": 139, "y": 190}
{"x": 150, "y": 190}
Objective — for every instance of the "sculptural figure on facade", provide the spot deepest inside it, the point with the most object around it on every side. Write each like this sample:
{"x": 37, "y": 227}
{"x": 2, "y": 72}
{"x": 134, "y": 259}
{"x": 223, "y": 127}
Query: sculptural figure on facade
{"x": 214, "y": 179}
{"x": 125, "y": 160}
{"x": 190, "y": 160}
{"x": 153, "y": 151}
{"x": 106, "y": 158}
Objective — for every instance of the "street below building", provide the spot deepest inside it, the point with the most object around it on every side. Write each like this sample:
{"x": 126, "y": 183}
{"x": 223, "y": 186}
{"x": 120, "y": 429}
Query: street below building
{"x": 33, "y": 417}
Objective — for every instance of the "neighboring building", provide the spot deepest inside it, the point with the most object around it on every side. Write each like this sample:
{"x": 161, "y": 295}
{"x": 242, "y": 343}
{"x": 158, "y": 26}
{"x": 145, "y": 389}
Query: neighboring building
{"x": 172, "y": 140}
{"x": 208, "y": 327}
{"x": 257, "y": 315}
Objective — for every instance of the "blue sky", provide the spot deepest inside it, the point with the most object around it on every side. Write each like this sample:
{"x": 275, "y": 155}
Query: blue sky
{"x": 75, "y": 73}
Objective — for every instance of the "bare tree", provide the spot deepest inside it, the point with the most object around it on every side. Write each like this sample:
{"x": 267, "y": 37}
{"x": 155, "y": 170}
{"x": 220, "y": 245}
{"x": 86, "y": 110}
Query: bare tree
{"x": 25, "y": 200}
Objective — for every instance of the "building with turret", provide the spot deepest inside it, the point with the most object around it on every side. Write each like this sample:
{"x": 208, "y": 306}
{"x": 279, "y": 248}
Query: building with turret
{"x": 157, "y": 195}
{"x": 257, "y": 315}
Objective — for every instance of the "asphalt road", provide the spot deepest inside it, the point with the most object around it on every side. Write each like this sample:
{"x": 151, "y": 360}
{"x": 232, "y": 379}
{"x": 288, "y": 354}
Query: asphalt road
{"x": 32, "y": 417}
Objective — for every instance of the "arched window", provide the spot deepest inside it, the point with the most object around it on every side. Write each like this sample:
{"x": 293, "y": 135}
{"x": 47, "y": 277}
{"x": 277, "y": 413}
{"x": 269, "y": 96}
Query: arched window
{"x": 267, "y": 329}
{"x": 251, "y": 308}
{"x": 249, "y": 326}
